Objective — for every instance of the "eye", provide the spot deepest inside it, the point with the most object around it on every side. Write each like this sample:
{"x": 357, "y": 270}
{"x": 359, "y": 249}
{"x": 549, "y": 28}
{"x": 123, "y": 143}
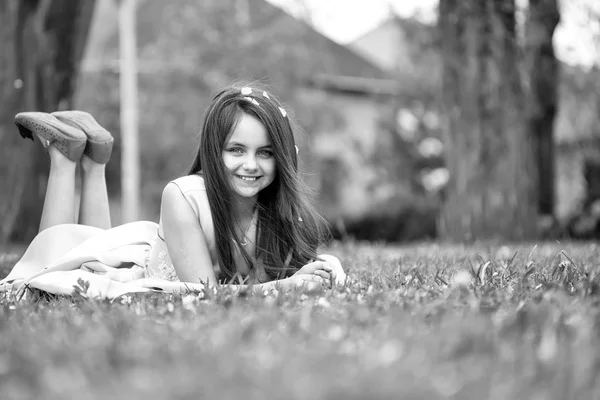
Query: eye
{"x": 235, "y": 150}
{"x": 265, "y": 153}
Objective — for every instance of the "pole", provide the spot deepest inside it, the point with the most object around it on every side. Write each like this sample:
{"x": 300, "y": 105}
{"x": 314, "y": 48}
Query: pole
{"x": 130, "y": 171}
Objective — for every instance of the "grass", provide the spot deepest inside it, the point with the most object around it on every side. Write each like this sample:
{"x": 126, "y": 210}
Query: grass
{"x": 418, "y": 322}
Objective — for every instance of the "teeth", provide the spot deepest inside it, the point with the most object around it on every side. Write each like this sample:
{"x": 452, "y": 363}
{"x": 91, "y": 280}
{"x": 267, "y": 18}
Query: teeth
{"x": 249, "y": 179}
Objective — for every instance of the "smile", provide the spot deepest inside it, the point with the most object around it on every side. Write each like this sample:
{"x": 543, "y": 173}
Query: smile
{"x": 248, "y": 178}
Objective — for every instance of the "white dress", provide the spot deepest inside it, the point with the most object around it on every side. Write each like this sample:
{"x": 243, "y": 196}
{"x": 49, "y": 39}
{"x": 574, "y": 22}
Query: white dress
{"x": 128, "y": 258}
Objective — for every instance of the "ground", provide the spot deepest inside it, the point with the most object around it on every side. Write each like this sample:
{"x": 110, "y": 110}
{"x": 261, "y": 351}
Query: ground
{"x": 423, "y": 321}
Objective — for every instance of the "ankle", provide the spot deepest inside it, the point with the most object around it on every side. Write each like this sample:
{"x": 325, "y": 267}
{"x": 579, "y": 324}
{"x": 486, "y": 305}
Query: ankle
{"x": 58, "y": 159}
{"x": 91, "y": 167}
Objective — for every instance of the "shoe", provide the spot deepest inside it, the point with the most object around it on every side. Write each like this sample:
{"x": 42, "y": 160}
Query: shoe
{"x": 99, "y": 140}
{"x": 67, "y": 139}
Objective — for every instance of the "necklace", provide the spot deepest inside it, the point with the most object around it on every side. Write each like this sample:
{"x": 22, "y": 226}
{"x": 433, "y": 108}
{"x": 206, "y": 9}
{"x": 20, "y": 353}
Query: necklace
{"x": 244, "y": 239}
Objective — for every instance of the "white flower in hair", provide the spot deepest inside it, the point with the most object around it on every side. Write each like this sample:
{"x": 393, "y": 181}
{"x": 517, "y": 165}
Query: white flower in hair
{"x": 283, "y": 112}
{"x": 265, "y": 95}
{"x": 251, "y": 100}
{"x": 246, "y": 90}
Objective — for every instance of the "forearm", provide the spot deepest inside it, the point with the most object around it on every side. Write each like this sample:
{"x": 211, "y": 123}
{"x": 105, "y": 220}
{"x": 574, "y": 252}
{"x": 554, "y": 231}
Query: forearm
{"x": 261, "y": 287}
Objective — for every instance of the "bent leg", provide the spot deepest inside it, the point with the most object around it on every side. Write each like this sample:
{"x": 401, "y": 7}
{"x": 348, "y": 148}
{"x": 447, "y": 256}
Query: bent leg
{"x": 94, "y": 208}
{"x": 59, "y": 203}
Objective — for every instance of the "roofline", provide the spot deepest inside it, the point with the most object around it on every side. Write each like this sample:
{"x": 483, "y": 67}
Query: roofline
{"x": 355, "y": 84}
{"x": 391, "y": 17}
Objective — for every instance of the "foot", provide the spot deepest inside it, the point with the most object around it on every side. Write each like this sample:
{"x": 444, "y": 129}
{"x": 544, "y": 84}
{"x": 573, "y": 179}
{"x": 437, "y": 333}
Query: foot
{"x": 52, "y": 132}
{"x": 99, "y": 140}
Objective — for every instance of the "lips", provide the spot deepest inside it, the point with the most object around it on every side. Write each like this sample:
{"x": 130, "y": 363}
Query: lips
{"x": 248, "y": 179}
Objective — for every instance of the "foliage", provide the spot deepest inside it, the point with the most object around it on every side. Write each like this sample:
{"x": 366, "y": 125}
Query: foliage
{"x": 426, "y": 321}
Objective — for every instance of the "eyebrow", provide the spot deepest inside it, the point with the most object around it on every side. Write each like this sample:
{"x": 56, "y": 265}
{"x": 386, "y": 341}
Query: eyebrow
{"x": 242, "y": 145}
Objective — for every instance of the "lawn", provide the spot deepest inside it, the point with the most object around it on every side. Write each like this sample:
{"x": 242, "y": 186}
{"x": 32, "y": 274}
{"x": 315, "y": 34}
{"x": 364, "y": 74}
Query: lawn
{"x": 416, "y": 322}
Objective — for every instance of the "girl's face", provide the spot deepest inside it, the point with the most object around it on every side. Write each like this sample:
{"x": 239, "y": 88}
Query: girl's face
{"x": 248, "y": 157}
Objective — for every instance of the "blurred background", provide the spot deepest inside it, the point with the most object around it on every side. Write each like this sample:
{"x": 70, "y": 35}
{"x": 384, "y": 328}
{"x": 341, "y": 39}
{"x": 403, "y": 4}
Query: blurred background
{"x": 417, "y": 120}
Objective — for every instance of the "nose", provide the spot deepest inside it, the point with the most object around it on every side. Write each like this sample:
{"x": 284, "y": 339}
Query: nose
{"x": 250, "y": 163}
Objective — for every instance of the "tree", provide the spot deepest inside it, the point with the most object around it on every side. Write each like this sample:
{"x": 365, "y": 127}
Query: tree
{"x": 543, "y": 68}
{"x": 43, "y": 43}
{"x": 490, "y": 154}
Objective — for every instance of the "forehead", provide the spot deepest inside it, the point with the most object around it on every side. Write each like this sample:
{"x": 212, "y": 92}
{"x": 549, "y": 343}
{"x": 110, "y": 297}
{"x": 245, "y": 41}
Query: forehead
{"x": 250, "y": 132}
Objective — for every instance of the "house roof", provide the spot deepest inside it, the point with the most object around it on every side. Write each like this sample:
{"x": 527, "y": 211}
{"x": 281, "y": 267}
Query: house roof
{"x": 414, "y": 28}
{"x": 186, "y": 26}
{"x": 407, "y": 49}
{"x": 356, "y": 85}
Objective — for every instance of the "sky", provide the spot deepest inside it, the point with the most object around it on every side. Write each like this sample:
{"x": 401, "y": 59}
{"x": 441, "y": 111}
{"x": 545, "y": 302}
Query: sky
{"x": 577, "y": 38}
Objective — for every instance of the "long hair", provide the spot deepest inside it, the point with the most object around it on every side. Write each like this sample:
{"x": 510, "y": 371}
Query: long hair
{"x": 289, "y": 230}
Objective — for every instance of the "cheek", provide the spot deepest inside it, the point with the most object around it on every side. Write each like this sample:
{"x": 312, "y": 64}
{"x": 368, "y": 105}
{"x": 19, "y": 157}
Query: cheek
{"x": 229, "y": 161}
{"x": 269, "y": 167}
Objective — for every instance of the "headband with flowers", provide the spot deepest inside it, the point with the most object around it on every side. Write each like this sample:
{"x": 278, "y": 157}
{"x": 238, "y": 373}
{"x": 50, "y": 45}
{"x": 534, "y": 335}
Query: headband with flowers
{"x": 246, "y": 91}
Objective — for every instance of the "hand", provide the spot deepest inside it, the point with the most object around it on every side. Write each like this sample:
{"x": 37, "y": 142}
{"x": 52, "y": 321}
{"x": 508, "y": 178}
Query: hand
{"x": 309, "y": 282}
{"x": 338, "y": 276}
{"x": 318, "y": 268}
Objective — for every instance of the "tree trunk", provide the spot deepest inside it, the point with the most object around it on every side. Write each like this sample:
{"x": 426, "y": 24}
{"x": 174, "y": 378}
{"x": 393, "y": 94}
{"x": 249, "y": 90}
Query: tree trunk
{"x": 43, "y": 43}
{"x": 492, "y": 191}
{"x": 543, "y": 17}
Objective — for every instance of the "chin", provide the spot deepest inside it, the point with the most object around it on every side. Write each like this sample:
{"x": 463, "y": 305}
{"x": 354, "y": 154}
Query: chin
{"x": 245, "y": 191}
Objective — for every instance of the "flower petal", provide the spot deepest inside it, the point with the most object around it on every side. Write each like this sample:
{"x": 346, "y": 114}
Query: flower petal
{"x": 246, "y": 90}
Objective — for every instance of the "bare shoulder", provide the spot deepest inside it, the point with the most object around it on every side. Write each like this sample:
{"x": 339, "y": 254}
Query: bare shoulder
{"x": 186, "y": 197}
{"x": 174, "y": 205}
{"x": 190, "y": 183}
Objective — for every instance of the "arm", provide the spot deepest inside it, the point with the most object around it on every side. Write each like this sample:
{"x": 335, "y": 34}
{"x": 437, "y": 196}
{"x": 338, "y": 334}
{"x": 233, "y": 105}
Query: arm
{"x": 303, "y": 282}
{"x": 185, "y": 239}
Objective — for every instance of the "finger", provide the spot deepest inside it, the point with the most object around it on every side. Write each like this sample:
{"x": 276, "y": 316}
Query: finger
{"x": 311, "y": 278}
{"x": 333, "y": 274}
{"x": 314, "y": 287}
{"x": 316, "y": 283}
{"x": 340, "y": 278}
{"x": 323, "y": 281}
{"x": 315, "y": 265}
{"x": 322, "y": 274}
{"x": 324, "y": 265}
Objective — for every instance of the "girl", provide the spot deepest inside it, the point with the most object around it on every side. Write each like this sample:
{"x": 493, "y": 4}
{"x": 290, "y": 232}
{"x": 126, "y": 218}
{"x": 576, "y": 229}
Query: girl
{"x": 241, "y": 216}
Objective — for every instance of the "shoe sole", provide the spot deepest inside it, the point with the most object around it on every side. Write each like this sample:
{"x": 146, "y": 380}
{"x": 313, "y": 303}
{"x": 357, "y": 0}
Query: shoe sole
{"x": 68, "y": 140}
{"x": 99, "y": 140}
